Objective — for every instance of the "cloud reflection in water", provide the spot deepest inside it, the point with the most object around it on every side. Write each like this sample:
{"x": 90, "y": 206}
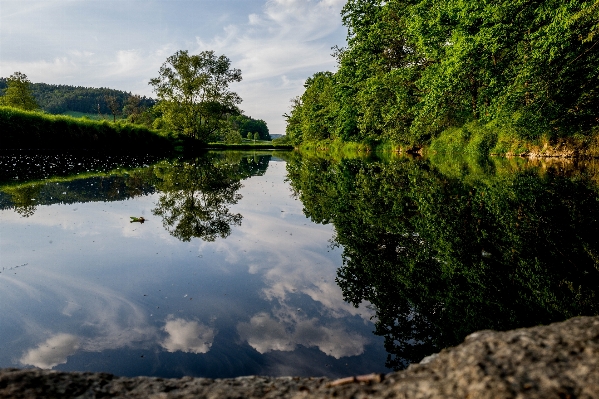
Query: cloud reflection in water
{"x": 52, "y": 352}
{"x": 285, "y": 331}
{"x": 187, "y": 336}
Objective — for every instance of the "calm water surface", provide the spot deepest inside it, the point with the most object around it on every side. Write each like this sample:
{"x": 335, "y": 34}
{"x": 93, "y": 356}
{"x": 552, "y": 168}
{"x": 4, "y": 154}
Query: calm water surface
{"x": 240, "y": 282}
{"x": 274, "y": 264}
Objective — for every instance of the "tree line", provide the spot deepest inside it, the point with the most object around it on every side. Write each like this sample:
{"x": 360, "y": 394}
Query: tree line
{"x": 193, "y": 100}
{"x": 58, "y": 99}
{"x": 414, "y": 68}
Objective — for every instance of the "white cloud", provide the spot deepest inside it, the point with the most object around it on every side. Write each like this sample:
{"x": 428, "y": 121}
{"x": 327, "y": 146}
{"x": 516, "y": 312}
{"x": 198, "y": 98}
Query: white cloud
{"x": 254, "y": 19}
{"x": 187, "y": 336}
{"x": 289, "y": 328}
{"x": 52, "y": 352}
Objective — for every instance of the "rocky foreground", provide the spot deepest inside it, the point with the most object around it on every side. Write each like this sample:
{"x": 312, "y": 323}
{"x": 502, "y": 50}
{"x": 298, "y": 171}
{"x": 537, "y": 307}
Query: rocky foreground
{"x": 556, "y": 361}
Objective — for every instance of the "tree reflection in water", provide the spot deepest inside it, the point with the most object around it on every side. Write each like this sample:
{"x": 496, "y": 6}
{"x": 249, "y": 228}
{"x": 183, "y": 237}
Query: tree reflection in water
{"x": 196, "y": 195}
{"x": 441, "y": 254}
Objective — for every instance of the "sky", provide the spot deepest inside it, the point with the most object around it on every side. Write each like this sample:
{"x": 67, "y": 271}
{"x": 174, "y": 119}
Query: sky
{"x": 121, "y": 44}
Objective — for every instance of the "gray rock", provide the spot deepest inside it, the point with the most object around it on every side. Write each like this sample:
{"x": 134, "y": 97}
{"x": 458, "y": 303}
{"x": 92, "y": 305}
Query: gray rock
{"x": 556, "y": 361}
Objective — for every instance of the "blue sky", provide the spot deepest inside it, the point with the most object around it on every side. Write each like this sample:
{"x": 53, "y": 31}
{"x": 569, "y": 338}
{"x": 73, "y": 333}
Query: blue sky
{"x": 121, "y": 44}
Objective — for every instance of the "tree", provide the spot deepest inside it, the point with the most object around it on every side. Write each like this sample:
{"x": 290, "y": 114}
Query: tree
{"x": 231, "y": 135}
{"x": 246, "y": 124}
{"x": 137, "y": 111}
{"x": 18, "y": 93}
{"x": 256, "y": 136}
{"x": 250, "y": 135}
{"x": 193, "y": 93}
{"x": 114, "y": 106}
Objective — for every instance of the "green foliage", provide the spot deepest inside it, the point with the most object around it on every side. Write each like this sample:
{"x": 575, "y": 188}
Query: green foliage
{"x": 18, "y": 93}
{"x": 412, "y": 70}
{"x": 440, "y": 255}
{"x": 232, "y": 136}
{"x": 256, "y": 136}
{"x": 312, "y": 113}
{"x": 193, "y": 93}
{"x": 283, "y": 140}
{"x": 246, "y": 124}
{"x": 61, "y": 99}
{"x": 33, "y": 130}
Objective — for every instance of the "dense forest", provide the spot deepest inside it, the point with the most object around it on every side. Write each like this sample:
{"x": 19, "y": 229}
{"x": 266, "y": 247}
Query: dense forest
{"x": 414, "y": 69}
{"x": 57, "y": 99}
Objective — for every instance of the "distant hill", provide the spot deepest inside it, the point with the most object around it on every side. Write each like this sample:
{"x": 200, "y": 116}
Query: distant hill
{"x": 58, "y": 99}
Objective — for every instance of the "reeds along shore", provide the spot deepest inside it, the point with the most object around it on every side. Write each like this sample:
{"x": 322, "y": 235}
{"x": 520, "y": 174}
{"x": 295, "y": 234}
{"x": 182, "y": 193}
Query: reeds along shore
{"x": 35, "y": 130}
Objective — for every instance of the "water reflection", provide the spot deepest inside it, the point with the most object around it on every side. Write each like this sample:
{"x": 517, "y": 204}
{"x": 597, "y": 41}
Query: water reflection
{"x": 442, "y": 249}
{"x": 171, "y": 297}
{"x": 196, "y": 197}
{"x": 187, "y": 336}
{"x": 52, "y": 352}
{"x": 290, "y": 328}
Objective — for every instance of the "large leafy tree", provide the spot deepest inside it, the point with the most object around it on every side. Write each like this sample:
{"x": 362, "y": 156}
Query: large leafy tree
{"x": 193, "y": 93}
{"x": 18, "y": 93}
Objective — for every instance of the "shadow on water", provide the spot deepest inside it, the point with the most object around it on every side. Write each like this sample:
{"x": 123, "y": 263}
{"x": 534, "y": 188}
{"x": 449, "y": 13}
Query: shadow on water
{"x": 442, "y": 248}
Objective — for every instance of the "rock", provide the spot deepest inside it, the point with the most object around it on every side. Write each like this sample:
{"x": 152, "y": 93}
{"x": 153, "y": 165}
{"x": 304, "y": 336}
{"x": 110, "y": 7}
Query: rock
{"x": 556, "y": 361}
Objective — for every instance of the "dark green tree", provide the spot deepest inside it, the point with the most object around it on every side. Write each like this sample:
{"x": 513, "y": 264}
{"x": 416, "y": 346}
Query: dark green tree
{"x": 412, "y": 69}
{"x": 18, "y": 93}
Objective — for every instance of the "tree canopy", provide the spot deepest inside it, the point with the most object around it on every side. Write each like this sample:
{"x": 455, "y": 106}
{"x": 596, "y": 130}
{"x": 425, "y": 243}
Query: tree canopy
{"x": 57, "y": 99}
{"x": 18, "y": 93}
{"x": 193, "y": 93}
{"x": 412, "y": 69}
{"x": 246, "y": 124}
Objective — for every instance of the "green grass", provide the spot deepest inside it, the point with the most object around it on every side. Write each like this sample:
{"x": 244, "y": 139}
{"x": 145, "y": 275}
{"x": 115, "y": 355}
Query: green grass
{"x": 35, "y": 130}
{"x": 94, "y": 117}
{"x": 478, "y": 140}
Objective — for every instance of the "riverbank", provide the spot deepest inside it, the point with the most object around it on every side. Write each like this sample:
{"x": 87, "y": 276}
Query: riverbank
{"x": 555, "y": 361}
{"x": 477, "y": 139}
{"x": 35, "y": 130}
{"x": 471, "y": 140}
{"x": 248, "y": 146}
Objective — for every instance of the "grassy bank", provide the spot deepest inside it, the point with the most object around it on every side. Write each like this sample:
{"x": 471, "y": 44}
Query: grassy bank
{"x": 336, "y": 148}
{"x": 474, "y": 139}
{"x": 34, "y": 130}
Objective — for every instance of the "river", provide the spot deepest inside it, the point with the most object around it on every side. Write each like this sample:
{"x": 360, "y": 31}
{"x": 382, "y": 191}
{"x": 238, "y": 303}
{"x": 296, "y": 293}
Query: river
{"x": 273, "y": 263}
